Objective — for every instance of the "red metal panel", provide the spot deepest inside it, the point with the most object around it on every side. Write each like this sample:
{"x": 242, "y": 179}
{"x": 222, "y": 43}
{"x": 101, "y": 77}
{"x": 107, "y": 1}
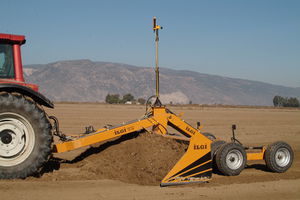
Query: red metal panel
{"x": 18, "y": 63}
{"x": 20, "y": 39}
{"x": 32, "y": 86}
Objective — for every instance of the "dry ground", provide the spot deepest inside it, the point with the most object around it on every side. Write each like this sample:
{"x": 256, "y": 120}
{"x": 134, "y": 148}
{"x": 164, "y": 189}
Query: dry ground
{"x": 83, "y": 180}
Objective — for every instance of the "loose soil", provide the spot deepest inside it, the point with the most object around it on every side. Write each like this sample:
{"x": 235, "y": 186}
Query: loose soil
{"x": 140, "y": 158}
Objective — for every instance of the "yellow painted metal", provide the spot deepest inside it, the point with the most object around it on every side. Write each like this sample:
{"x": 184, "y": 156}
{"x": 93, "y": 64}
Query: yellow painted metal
{"x": 100, "y": 136}
{"x": 183, "y": 126}
{"x": 187, "y": 166}
{"x": 197, "y": 159}
{"x": 158, "y": 121}
{"x": 157, "y": 27}
{"x": 161, "y": 117}
{"x": 256, "y": 155}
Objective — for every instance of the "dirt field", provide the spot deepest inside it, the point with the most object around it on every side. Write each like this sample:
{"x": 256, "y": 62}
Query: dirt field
{"x": 132, "y": 169}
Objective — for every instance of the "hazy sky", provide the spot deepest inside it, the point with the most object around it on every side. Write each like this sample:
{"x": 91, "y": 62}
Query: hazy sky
{"x": 254, "y": 39}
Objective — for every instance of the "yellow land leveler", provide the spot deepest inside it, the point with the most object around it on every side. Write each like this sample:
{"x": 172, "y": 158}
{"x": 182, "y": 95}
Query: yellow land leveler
{"x": 204, "y": 152}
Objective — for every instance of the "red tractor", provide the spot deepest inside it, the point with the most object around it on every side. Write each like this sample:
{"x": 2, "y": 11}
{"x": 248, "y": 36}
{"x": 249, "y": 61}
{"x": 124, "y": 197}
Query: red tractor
{"x": 25, "y": 130}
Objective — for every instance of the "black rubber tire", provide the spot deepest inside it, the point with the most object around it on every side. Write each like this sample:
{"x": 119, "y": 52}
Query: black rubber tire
{"x": 40, "y": 153}
{"x": 270, "y": 156}
{"x": 229, "y": 149}
{"x": 209, "y": 136}
{"x": 214, "y": 147}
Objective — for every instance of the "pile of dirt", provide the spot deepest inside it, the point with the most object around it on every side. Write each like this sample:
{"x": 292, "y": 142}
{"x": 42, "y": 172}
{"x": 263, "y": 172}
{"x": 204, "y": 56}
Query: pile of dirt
{"x": 138, "y": 158}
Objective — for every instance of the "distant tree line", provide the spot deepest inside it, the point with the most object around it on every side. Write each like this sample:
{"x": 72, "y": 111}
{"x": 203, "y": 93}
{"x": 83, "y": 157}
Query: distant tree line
{"x": 127, "y": 98}
{"x": 280, "y": 101}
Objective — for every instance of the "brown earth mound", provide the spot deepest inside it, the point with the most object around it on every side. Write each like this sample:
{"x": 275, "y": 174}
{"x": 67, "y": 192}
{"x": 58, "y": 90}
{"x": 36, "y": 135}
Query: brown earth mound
{"x": 138, "y": 158}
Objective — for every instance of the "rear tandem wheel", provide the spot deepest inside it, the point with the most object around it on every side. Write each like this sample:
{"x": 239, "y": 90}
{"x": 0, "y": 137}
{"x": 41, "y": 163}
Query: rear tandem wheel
{"x": 279, "y": 157}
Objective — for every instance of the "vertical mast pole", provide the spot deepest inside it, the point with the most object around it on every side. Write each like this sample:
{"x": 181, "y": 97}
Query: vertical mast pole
{"x": 155, "y": 29}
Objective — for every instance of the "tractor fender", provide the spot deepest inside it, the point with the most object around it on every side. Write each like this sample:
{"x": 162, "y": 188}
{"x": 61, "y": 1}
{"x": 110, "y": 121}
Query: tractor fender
{"x": 36, "y": 96}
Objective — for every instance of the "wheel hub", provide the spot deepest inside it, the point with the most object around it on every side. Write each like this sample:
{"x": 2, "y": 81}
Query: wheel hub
{"x": 234, "y": 159}
{"x": 282, "y": 157}
{"x": 6, "y": 136}
{"x": 12, "y": 138}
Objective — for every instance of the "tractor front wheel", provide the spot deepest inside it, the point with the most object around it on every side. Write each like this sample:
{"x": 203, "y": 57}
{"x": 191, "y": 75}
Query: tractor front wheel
{"x": 25, "y": 137}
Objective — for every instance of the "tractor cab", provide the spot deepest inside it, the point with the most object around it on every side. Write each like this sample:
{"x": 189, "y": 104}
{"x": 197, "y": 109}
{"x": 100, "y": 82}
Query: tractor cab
{"x": 11, "y": 69}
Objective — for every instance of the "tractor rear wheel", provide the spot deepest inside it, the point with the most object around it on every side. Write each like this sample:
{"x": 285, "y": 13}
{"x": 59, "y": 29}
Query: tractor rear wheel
{"x": 231, "y": 159}
{"x": 279, "y": 157}
{"x": 25, "y": 137}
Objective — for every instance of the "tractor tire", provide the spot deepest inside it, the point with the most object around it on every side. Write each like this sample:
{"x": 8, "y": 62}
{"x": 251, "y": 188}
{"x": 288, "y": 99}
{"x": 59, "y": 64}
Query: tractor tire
{"x": 209, "y": 136}
{"x": 231, "y": 159}
{"x": 279, "y": 157}
{"x": 25, "y": 137}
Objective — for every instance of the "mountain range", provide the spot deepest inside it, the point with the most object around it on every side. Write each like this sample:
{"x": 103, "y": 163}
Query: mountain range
{"x": 88, "y": 81}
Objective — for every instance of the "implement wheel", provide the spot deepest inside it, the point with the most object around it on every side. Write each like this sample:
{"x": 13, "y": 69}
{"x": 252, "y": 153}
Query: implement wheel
{"x": 231, "y": 159}
{"x": 215, "y": 146}
{"x": 279, "y": 157}
{"x": 210, "y": 136}
{"x": 25, "y": 137}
